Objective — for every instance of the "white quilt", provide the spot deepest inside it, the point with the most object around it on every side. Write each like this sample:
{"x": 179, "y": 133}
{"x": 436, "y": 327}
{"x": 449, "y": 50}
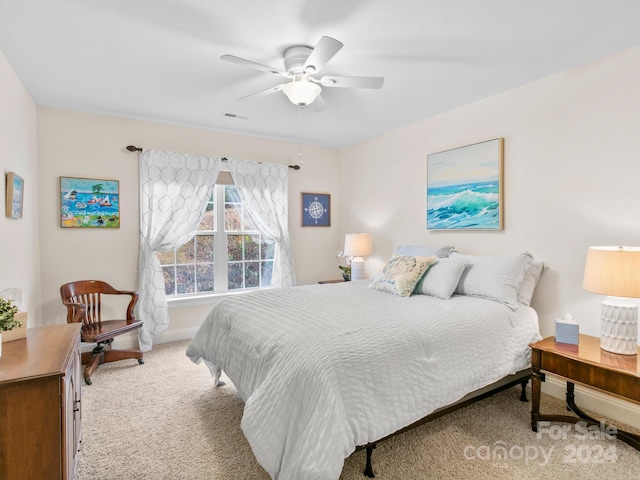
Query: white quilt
{"x": 325, "y": 368}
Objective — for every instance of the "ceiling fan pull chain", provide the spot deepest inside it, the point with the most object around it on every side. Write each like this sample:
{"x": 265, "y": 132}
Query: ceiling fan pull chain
{"x": 300, "y": 159}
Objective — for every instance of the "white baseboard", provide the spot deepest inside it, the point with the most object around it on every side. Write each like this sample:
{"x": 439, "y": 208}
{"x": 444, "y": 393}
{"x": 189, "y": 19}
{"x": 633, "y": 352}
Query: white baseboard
{"x": 594, "y": 400}
{"x": 176, "y": 335}
{"x": 131, "y": 340}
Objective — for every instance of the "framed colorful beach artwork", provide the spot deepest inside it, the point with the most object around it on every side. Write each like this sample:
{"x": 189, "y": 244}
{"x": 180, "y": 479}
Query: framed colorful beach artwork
{"x": 465, "y": 187}
{"x": 89, "y": 203}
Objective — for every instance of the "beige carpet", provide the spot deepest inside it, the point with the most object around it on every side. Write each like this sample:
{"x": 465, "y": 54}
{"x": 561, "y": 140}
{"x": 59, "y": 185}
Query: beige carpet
{"x": 166, "y": 420}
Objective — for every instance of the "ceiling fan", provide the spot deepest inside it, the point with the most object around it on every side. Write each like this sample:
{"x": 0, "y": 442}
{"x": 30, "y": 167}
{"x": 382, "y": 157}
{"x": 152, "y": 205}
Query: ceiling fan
{"x": 302, "y": 64}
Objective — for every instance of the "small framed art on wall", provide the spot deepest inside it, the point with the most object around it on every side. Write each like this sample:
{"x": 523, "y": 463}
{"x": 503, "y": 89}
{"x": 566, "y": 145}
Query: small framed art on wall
{"x": 316, "y": 210}
{"x": 15, "y": 196}
{"x": 89, "y": 203}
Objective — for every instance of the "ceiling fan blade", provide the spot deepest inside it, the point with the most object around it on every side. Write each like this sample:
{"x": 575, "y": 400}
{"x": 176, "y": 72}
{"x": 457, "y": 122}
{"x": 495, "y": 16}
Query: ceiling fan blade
{"x": 257, "y": 66}
{"x": 263, "y": 93}
{"x": 324, "y": 51}
{"x": 352, "y": 82}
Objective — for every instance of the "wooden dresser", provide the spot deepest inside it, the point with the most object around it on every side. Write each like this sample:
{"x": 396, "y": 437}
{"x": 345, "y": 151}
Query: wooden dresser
{"x": 40, "y": 414}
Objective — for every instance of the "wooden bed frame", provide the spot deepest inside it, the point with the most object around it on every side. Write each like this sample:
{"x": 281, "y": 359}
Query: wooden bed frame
{"x": 522, "y": 377}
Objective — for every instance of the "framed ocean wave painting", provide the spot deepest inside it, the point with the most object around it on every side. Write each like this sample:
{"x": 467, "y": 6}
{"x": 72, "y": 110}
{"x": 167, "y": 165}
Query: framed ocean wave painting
{"x": 465, "y": 187}
{"x": 89, "y": 203}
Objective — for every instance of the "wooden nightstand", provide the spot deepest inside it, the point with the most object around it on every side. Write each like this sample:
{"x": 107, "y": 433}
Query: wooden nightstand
{"x": 587, "y": 365}
{"x": 330, "y": 281}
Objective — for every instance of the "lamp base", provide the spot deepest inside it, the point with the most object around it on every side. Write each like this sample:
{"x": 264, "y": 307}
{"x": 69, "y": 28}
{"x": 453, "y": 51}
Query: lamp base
{"x": 619, "y": 327}
{"x": 357, "y": 268}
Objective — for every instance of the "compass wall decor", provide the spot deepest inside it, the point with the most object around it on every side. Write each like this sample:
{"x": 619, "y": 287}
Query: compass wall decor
{"x": 316, "y": 210}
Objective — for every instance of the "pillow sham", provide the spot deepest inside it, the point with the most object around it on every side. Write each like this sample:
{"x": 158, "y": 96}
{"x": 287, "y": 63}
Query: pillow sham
{"x": 442, "y": 277}
{"x": 496, "y": 277}
{"x": 423, "y": 250}
{"x": 401, "y": 274}
{"x": 530, "y": 281}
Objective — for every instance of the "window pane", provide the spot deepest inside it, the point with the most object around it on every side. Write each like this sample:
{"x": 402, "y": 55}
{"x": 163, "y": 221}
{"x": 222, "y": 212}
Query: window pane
{"x": 204, "y": 248}
{"x": 231, "y": 194}
{"x": 186, "y": 278}
{"x": 205, "y": 277}
{"x": 235, "y": 275}
{"x": 252, "y": 247}
{"x": 232, "y": 217}
{"x": 234, "y": 247}
{"x": 184, "y": 254}
{"x": 252, "y": 274}
{"x": 165, "y": 258}
{"x": 267, "y": 271}
{"x": 209, "y": 220}
{"x": 169, "y": 275}
{"x": 248, "y": 222}
{"x": 267, "y": 250}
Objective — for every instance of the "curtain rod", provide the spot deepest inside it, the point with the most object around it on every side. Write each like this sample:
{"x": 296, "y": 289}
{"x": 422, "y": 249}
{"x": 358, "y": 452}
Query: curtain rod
{"x": 133, "y": 148}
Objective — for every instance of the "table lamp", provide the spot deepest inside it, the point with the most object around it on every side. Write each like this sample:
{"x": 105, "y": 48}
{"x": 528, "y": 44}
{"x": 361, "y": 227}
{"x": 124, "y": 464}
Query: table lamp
{"x": 615, "y": 271}
{"x": 357, "y": 245}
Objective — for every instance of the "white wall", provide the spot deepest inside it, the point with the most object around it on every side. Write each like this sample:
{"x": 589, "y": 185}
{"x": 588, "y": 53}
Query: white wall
{"x": 572, "y": 166}
{"x": 19, "y": 238}
{"x": 76, "y": 144}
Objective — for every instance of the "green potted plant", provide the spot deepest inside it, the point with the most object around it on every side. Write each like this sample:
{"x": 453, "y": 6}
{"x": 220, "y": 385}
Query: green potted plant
{"x": 346, "y": 270}
{"x": 8, "y": 320}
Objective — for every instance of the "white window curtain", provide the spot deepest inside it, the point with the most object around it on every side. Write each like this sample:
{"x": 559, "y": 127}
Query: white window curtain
{"x": 174, "y": 190}
{"x": 263, "y": 189}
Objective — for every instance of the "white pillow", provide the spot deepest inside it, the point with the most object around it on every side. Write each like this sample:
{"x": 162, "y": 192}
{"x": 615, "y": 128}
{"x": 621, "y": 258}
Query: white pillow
{"x": 528, "y": 285}
{"x": 496, "y": 277}
{"x": 401, "y": 274}
{"x": 442, "y": 277}
{"x": 423, "y": 250}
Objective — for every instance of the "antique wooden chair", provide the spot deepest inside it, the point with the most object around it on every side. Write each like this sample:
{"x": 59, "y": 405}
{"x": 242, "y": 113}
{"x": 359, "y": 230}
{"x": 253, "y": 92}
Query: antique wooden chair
{"x": 83, "y": 300}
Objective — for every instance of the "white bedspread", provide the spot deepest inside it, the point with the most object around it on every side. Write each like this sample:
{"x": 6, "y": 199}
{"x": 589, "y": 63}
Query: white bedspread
{"x": 325, "y": 368}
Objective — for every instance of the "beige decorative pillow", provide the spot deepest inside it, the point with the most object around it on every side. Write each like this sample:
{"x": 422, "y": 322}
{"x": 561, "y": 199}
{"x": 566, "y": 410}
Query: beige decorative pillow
{"x": 401, "y": 274}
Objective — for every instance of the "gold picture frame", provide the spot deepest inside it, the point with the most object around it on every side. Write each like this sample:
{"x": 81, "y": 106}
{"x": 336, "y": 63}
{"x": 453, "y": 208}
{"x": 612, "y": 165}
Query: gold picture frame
{"x": 15, "y": 196}
{"x": 465, "y": 187}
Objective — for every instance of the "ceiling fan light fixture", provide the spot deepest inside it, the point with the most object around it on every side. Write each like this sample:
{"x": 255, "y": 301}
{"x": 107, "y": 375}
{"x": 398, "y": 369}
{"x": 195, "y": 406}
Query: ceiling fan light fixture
{"x": 301, "y": 92}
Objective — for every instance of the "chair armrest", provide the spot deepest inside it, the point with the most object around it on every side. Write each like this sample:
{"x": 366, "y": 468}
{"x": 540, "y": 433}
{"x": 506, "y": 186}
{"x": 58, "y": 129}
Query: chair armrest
{"x": 75, "y": 312}
{"x": 132, "y": 303}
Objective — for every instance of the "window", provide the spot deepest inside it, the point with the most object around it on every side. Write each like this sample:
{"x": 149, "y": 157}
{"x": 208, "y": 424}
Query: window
{"x": 219, "y": 259}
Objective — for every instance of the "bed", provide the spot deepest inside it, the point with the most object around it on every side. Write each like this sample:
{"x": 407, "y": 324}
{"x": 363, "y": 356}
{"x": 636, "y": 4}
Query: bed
{"x": 328, "y": 369}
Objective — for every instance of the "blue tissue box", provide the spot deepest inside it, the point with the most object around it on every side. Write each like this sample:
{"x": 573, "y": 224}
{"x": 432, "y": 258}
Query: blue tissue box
{"x": 567, "y": 332}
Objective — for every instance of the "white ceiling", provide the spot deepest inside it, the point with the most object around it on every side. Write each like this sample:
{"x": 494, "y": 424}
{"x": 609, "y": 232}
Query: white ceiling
{"x": 160, "y": 59}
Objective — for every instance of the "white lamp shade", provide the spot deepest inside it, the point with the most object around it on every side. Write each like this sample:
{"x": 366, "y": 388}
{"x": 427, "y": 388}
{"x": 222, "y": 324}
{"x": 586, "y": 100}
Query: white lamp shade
{"x": 613, "y": 271}
{"x": 357, "y": 245}
{"x": 301, "y": 92}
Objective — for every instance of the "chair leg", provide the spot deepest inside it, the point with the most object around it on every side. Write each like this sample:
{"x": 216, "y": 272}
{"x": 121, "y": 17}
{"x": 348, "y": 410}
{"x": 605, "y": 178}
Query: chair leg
{"x": 116, "y": 355}
{"x": 103, "y": 353}
{"x": 92, "y": 361}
